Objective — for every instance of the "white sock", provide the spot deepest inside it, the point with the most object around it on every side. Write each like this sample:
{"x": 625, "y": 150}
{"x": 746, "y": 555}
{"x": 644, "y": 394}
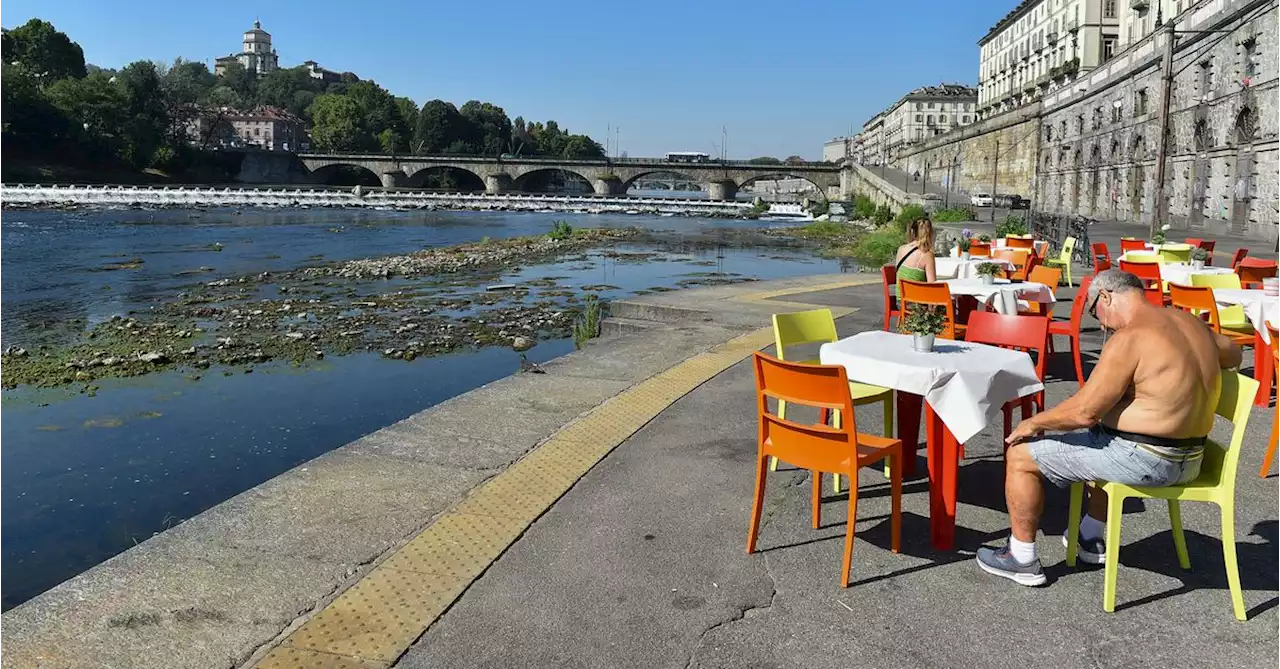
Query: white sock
{"x": 1023, "y": 551}
{"x": 1092, "y": 529}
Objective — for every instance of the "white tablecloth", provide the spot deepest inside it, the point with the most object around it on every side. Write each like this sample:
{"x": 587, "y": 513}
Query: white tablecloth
{"x": 1181, "y": 273}
{"x": 966, "y": 384}
{"x": 1041, "y": 247}
{"x": 1003, "y": 294}
{"x": 955, "y": 268}
{"x": 1258, "y": 308}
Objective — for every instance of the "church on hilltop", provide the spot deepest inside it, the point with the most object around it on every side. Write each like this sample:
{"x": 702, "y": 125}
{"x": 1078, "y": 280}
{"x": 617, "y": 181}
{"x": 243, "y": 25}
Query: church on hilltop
{"x": 256, "y": 56}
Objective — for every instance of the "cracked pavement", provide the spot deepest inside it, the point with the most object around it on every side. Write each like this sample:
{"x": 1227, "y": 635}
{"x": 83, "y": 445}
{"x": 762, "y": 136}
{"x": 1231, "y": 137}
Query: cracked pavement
{"x": 642, "y": 564}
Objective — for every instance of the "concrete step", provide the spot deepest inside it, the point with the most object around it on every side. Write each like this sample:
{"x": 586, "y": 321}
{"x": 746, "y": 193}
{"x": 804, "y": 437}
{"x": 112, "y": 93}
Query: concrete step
{"x": 613, "y": 326}
{"x": 661, "y": 313}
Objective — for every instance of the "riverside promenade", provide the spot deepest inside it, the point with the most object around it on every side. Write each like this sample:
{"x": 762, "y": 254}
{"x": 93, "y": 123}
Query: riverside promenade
{"x": 596, "y": 515}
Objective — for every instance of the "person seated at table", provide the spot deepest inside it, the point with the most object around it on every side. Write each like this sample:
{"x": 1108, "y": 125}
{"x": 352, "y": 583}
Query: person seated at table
{"x": 915, "y": 258}
{"x": 1140, "y": 419}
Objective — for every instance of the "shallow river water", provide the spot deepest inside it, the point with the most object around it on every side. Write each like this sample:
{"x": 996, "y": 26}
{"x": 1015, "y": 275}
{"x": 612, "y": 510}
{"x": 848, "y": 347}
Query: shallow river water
{"x": 87, "y": 475}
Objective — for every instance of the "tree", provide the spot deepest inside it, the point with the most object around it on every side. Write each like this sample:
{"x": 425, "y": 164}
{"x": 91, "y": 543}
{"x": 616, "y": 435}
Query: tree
{"x": 795, "y": 160}
{"x": 37, "y": 47}
{"x": 408, "y": 117}
{"x": 491, "y": 129}
{"x": 765, "y": 160}
{"x": 223, "y": 96}
{"x": 147, "y": 118}
{"x": 581, "y": 146}
{"x": 378, "y": 113}
{"x": 441, "y": 129}
{"x": 337, "y": 124}
{"x": 242, "y": 81}
{"x": 30, "y": 122}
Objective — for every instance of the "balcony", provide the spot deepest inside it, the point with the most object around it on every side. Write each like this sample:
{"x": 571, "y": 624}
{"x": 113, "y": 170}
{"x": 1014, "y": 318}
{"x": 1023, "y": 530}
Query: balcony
{"x": 1072, "y": 25}
{"x": 1051, "y": 37}
{"x": 1139, "y": 5}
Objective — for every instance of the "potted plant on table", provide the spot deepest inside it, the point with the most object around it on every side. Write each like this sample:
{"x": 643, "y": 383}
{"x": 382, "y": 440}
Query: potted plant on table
{"x": 984, "y": 238}
{"x": 963, "y": 245}
{"x": 924, "y": 322}
{"x": 988, "y": 271}
{"x": 1160, "y": 237}
{"x": 1198, "y": 257}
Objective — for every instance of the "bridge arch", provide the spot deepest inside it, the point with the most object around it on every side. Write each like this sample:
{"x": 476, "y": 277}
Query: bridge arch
{"x": 447, "y": 177}
{"x": 630, "y": 183}
{"x": 552, "y": 179}
{"x": 345, "y": 174}
{"x": 817, "y": 187}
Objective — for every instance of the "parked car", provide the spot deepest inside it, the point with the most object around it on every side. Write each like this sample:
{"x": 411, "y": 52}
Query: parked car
{"x": 981, "y": 200}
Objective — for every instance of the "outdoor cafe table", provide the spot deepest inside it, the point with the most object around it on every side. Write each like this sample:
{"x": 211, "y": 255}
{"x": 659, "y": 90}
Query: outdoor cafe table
{"x": 1181, "y": 272}
{"x": 1258, "y": 308}
{"x": 963, "y": 387}
{"x": 959, "y": 268}
{"x": 1003, "y": 294}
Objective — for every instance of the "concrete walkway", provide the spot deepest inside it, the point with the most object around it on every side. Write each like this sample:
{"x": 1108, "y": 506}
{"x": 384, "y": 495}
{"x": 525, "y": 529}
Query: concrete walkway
{"x": 641, "y": 564}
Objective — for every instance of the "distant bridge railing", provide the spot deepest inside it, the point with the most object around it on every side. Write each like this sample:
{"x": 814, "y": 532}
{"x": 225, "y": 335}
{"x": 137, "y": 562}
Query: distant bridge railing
{"x": 463, "y": 158}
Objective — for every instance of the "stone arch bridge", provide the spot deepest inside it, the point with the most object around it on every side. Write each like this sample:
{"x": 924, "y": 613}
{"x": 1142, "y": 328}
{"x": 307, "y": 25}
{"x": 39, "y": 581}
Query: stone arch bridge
{"x": 607, "y": 176}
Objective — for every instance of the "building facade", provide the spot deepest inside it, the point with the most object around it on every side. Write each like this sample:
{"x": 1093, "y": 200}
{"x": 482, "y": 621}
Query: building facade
{"x": 871, "y": 151}
{"x": 256, "y": 55}
{"x": 317, "y": 72}
{"x": 1044, "y": 45}
{"x": 925, "y": 113}
{"x": 267, "y": 128}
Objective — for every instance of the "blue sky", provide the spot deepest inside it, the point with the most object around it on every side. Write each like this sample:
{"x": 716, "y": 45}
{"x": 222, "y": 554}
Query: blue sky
{"x": 782, "y": 77}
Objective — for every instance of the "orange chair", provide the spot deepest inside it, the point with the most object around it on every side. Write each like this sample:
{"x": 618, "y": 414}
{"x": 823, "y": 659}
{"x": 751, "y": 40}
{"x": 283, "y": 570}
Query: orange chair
{"x": 1024, "y": 273}
{"x": 1049, "y": 276}
{"x": 889, "y": 277}
{"x": 1271, "y": 374}
{"x": 819, "y": 448}
{"x": 1253, "y": 270}
{"x": 1020, "y": 243}
{"x": 1208, "y": 245}
{"x": 1149, "y": 272}
{"x": 921, "y": 292}
{"x": 1101, "y": 255}
{"x": 979, "y": 250}
{"x": 1071, "y": 328}
{"x": 1017, "y": 257}
{"x": 1015, "y": 332}
{"x": 1131, "y": 244}
{"x": 1239, "y": 256}
{"x": 1199, "y": 300}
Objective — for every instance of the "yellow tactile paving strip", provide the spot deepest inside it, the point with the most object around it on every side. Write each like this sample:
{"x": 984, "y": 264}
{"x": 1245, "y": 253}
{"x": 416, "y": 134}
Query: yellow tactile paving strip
{"x": 373, "y": 622}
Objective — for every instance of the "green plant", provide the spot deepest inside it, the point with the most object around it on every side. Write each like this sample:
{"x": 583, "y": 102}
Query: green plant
{"x": 964, "y": 244}
{"x": 560, "y": 230}
{"x": 819, "y": 207}
{"x": 924, "y": 319}
{"x": 908, "y": 214}
{"x": 1200, "y": 254}
{"x": 953, "y": 215}
{"x": 863, "y": 207}
{"x": 760, "y": 207}
{"x": 1012, "y": 225}
{"x": 484, "y": 241}
{"x": 825, "y": 229}
{"x": 988, "y": 269}
{"x": 984, "y": 238}
{"x": 587, "y": 324}
{"x": 879, "y": 246}
{"x": 883, "y": 215}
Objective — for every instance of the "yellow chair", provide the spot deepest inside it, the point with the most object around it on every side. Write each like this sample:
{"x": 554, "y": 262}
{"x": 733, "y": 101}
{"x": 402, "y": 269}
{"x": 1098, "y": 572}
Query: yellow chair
{"x": 1216, "y": 483}
{"x": 819, "y": 326}
{"x": 1064, "y": 258}
{"x": 1143, "y": 256}
{"x": 1175, "y": 253}
{"x": 1230, "y": 317}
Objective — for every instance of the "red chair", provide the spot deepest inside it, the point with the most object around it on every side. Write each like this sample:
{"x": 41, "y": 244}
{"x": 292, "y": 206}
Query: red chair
{"x": 1239, "y": 256}
{"x": 819, "y": 448}
{"x": 1149, "y": 272}
{"x": 1127, "y": 245}
{"x": 1268, "y": 377}
{"x": 1016, "y": 332}
{"x": 1192, "y": 241}
{"x": 1253, "y": 270}
{"x": 1101, "y": 264}
{"x": 1071, "y": 328}
{"x": 889, "y": 276}
{"x": 1154, "y": 295}
{"x": 1208, "y": 245}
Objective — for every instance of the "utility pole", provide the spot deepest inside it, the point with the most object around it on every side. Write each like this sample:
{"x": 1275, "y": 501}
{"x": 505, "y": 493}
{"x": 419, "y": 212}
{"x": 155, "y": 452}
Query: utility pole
{"x": 995, "y": 180}
{"x": 1162, "y": 144}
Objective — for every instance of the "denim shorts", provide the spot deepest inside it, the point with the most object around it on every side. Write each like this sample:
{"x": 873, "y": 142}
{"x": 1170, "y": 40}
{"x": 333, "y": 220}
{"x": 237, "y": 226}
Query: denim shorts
{"x": 1095, "y": 455}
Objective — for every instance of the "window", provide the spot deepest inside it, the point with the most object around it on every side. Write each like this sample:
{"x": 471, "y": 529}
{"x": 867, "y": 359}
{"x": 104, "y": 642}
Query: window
{"x": 1117, "y": 111}
{"x": 919, "y": 106}
{"x": 930, "y": 120}
{"x": 930, "y": 105}
{"x": 942, "y": 118}
{"x": 919, "y": 118}
{"x": 966, "y": 119}
{"x": 1140, "y": 102}
{"x": 1109, "y": 9}
{"x": 1108, "y": 48}
{"x": 1206, "y": 77}
{"x": 1250, "y": 56}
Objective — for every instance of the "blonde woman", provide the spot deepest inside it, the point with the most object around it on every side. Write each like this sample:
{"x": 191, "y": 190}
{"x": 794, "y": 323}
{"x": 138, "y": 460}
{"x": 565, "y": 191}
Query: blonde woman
{"x": 915, "y": 259}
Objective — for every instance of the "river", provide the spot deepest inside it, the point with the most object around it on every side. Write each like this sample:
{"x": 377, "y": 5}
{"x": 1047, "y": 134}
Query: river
{"x": 86, "y": 475}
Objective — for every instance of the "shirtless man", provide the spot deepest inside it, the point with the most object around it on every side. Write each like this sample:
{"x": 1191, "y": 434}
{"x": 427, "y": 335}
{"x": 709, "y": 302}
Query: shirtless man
{"x": 1141, "y": 419}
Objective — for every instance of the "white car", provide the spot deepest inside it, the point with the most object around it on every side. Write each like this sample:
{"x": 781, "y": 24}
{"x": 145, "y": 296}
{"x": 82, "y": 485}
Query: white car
{"x": 981, "y": 200}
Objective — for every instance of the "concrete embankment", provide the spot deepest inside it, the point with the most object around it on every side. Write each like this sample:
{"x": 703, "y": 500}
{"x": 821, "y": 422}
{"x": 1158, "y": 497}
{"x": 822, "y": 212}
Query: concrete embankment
{"x": 224, "y": 587}
{"x": 135, "y": 196}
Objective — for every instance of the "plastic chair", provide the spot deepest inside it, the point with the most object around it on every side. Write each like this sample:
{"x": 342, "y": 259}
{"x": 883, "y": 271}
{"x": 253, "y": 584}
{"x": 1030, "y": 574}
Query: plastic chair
{"x": 1071, "y": 328}
{"x": 1208, "y": 245}
{"x": 1266, "y": 381}
{"x": 1216, "y": 484}
{"x": 1020, "y": 243}
{"x": 979, "y": 250}
{"x": 921, "y": 292}
{"x": 1049, "y": 276}
{"x": 1175, "y": 253}
{"x": 1199, "y": 300}
{"x": 1131, "y": 244}
{"x": 1154, "y": 295}
{"x": 1253, "y": 270}
{"x": 1231, "y": 318}
{"x": 819, "y": 326}
{"x": 1023, "y": 273}
{"x": 819, "y": 448}
{"x": 1149, "y": 272}
{"x": 1239, "y": 256}
{"x": 889, "y": 277}
{"x": 1192, "y": 241}
{"x": 1019, "y": 333}
{"x": 1064, "y": 256}
{"x": 1143, "y": 256}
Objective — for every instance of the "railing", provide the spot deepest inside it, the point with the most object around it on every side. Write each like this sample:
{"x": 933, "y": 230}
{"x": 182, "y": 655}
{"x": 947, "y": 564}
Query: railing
{"x": 713, "y": 162}
{"x": 1057, "y": 227}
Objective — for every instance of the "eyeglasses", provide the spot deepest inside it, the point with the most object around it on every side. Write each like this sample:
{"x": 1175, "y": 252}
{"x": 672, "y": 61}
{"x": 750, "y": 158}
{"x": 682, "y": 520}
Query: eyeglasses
{"x": 1093, "y": 308}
